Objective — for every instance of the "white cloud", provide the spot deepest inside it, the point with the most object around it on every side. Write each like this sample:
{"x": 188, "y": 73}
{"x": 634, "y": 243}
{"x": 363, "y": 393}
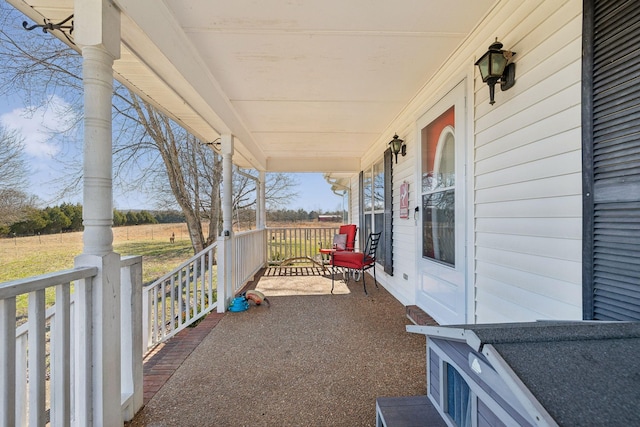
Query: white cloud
{"x": 40, "y": 127}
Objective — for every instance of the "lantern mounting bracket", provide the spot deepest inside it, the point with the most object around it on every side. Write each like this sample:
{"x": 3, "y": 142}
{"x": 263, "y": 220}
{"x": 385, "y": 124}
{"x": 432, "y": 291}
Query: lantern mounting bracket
{"x": 49, "y": 26}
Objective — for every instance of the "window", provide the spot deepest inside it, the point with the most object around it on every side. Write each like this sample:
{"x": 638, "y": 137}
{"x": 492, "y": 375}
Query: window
{"x": 373, "y": 206}
{"x": 376, "y": 209}
{"x": 458, "y": 398}
{"x": 438, "y": 189}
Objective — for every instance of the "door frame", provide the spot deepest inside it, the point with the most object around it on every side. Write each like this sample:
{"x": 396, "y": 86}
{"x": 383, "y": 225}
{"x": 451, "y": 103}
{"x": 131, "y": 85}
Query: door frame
{"x": 461, "y": 87}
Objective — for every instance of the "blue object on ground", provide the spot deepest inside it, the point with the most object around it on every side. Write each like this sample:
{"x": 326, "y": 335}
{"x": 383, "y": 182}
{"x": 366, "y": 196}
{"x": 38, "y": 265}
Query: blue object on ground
{"x": 239, "y": 304}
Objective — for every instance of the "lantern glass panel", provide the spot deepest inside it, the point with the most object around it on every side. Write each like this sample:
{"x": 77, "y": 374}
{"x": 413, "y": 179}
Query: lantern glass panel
{"x": 498, "y": 62}
{"x": 483, "y": 65}
{"x": 396, "y": 145}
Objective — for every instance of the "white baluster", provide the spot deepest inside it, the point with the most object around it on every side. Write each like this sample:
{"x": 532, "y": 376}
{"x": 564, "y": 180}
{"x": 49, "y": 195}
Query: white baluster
{"x": 60, "y": 358}
{"x": 37, "y": 367}
{"x": 7, "y": 361}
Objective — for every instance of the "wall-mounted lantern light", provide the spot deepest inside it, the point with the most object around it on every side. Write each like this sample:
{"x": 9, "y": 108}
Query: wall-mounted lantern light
{"x": 496, "y": 66}
{"x": 398, "y": 146}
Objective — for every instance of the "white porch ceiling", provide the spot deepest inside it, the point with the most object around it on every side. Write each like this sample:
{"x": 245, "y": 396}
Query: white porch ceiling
{"x": 303, "y": 85}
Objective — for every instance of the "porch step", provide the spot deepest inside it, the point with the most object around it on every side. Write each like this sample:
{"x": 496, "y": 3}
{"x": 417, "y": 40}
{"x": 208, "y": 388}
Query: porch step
{"x": 411, "y": 411}
{"x": 419, "y": 317}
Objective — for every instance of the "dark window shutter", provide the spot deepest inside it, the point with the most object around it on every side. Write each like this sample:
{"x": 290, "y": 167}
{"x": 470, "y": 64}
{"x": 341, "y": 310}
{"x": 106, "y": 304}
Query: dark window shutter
{"x": 361, "y": 235}
{"x": 388, "y": 212}
{"x": 611, "y": 160}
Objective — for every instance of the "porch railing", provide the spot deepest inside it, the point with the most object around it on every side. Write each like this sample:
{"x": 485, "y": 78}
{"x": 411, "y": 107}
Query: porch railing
{"x": 297, "y": 245}
{"x": 179, "y": 298}
{"x": 38, "y": 358}
{"x": 250, "y": 256}
{"x": 188, "y": 293}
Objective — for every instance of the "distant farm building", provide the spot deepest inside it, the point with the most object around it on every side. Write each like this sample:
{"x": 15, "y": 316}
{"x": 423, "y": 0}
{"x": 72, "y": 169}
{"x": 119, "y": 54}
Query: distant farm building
{"x": 329, "y": 218}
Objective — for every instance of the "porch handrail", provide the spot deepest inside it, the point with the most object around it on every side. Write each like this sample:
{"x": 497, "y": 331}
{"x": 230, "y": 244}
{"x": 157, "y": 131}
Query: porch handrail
{"x": 43, "y": 281}
{"x": 179, "y": 298}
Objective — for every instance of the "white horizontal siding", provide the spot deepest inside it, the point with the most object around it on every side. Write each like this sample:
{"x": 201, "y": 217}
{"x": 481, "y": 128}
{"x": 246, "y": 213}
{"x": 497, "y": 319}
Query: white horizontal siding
{"x": 503, "y": 303}
{"x": 557, "y": 248}
{"x": 540, "y": 107}
{"x": 404, "y": 230}
{"x": 532, "y": 282}
{"x": 565, "y": 269}
{"x": 532, "y": 161}
{"x": 556, "y": 207}
{"x": 539, "y": 306}
{"x": 566, "y": 228}
{"x": 555, "y": 186}
{"x": 528, "y": 184}
{"x": 532, "y": 133}
{"x": 524, "y": 163}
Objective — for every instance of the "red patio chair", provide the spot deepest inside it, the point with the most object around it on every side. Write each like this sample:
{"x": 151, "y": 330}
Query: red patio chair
{"x": 357, "y": 260}
{"x": 350, "y": 230}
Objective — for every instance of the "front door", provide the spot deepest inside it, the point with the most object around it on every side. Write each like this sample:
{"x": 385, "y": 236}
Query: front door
{"x": 442, "y": 263}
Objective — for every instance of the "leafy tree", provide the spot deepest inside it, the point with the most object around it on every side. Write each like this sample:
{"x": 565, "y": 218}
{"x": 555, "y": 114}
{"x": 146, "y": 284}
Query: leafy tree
{"x": 34, "y": 222}
{"x": 56, "y": 220}
{"x": 146, "y": 218}
{"x": 168, "y": 217}
{"x": 74, "y": 213}
{"x": 132, "y": 218}
{"x": 119, "y": 219}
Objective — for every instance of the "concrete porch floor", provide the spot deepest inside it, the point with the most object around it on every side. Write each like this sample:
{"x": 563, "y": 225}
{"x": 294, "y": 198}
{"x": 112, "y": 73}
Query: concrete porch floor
{"x": 309, "y": 359}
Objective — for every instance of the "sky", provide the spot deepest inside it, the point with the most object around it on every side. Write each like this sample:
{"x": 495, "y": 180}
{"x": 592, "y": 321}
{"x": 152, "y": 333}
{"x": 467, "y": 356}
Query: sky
{"x": 44, "y": 131}
{"x": 315, "y": 193}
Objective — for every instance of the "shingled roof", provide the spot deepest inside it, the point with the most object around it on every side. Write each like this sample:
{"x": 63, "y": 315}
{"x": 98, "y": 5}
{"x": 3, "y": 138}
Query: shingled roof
{"x": 580, "y": 373}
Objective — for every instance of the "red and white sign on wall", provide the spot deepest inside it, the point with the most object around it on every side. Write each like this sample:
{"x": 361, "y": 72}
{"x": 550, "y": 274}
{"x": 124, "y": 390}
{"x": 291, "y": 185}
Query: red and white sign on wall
{"x": 404, "y": 200}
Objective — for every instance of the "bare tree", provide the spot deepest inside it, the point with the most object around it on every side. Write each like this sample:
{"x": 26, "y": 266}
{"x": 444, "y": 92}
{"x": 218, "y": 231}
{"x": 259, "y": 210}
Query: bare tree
{"x": 13, "y": 172}
{"x": 190, "y": 173}
{"x": 279, "y": 190}
{"x": 13, "y": 169}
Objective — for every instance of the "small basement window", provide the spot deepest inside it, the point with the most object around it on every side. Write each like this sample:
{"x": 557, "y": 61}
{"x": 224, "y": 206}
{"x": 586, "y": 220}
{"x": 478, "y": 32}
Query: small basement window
{"x": 458, "y": 398}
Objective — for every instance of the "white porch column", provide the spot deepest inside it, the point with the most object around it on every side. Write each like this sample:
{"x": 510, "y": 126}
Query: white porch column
{"x": 261, "y": 219}
{"x": 225, "y": 240}
{"x": 97, "y": 32}
{"x": 261, "y": 202}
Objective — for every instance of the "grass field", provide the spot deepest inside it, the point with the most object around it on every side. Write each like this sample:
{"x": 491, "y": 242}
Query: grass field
{"x": 23, "y": 257}
{"x": 31, "y": 256}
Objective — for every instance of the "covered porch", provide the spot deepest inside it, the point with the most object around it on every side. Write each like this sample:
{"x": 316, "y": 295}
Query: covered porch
{"x": 322, "y": 87}
{"x": 310, "y": 358}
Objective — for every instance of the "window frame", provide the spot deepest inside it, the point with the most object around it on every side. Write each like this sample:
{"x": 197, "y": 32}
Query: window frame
{"x": 382, "y": 169}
